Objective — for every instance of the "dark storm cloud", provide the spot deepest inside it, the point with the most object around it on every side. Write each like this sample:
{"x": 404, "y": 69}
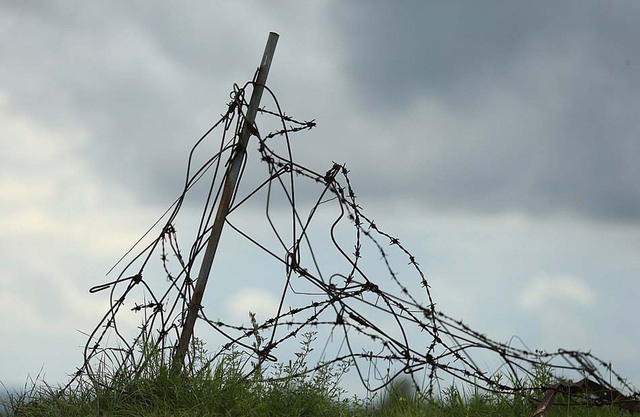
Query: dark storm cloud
{"x": 550, "y": 89}
{"x": 529, "y": 107}
{"x": 396, "y": 53}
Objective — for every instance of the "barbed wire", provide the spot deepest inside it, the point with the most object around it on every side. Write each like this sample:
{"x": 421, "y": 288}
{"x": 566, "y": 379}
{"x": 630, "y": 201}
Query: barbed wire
{"x": 342, "y": 278}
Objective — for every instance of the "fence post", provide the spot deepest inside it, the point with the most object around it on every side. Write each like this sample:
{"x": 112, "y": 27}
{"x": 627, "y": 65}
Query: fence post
{"x": 230, "y": 184}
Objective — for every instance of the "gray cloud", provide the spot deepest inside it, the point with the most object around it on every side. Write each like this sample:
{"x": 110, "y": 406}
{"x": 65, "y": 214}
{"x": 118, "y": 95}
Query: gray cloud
{"x": 142, "y": 98}
{"x": 397, "y": 53}
{"x": 145, "y": 83}
{"x": 456, "y": 106}
{"x": 547, "y": 95}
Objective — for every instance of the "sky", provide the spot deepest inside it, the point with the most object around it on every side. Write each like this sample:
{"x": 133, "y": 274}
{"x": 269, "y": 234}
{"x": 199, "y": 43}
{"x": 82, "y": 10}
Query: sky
{"x": 498, "y": 140}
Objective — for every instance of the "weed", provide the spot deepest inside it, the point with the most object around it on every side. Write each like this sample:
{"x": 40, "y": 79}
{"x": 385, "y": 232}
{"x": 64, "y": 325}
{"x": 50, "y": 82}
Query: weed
{"x": 223, "y": 389}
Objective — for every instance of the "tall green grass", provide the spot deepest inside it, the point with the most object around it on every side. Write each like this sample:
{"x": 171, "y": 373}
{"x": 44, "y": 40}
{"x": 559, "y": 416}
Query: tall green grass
{"x": 221, "y": 389}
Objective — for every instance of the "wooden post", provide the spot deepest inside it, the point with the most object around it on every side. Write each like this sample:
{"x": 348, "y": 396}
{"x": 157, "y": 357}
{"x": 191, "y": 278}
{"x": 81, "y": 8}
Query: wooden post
{"x": 230, "y": 184}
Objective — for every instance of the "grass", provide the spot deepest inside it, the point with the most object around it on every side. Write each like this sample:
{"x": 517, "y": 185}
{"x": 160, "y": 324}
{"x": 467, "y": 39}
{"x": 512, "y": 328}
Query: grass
{"x": 222, "y": 390}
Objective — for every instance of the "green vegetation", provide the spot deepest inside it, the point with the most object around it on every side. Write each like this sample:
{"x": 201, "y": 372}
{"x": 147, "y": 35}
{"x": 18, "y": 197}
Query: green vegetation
{"x": 222, "y": 390}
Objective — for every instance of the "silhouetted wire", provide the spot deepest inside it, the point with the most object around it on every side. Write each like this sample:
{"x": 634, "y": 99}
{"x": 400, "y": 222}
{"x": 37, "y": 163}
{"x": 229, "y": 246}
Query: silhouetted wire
{"x": 384, "y": 328}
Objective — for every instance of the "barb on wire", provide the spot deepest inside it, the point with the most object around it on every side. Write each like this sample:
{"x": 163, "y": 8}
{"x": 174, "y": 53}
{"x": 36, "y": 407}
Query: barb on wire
{"x": 341, "y": 277}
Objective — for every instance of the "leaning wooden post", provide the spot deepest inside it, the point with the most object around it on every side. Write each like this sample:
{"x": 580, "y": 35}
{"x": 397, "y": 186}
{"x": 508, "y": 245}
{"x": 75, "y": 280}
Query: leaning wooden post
{"x": 230, "y": 183}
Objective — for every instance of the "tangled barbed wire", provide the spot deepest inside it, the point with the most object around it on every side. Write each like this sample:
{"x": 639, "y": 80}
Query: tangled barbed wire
{"x": 339, "y": 274}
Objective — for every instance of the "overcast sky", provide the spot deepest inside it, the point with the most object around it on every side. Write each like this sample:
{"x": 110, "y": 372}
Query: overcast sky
{"x": 498, "y": 140}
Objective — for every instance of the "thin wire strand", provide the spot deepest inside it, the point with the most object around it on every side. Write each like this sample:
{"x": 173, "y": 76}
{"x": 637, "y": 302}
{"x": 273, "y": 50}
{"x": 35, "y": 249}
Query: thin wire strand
{"x": 376, "y": 316}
